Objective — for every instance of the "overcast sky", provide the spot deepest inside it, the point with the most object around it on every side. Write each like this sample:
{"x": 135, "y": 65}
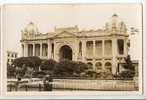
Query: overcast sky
{"x": 46, "y": 17}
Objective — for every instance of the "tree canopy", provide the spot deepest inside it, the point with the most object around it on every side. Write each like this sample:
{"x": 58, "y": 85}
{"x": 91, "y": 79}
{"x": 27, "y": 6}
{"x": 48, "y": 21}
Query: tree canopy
{"x": 23, "y": 64}
{"x": 33, "y": 62}
{"x": 48, "y": 66}
{"x": 63, "y": 68}
{"x": 68, "y": 68}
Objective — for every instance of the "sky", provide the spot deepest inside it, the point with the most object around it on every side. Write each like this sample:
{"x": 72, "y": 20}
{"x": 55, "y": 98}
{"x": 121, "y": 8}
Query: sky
{"x": 86, "y": 16}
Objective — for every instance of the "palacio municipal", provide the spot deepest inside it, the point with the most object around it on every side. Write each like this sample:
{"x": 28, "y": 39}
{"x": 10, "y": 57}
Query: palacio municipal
{"x": 103, "y": 48}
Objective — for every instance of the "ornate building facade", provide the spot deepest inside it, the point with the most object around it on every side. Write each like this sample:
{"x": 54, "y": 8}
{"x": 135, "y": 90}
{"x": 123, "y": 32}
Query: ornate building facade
{"x": 102, "y": 49}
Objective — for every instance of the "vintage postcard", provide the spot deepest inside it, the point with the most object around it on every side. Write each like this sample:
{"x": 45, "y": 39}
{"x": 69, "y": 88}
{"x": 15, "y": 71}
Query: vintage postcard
{"x": 63, "y": 49}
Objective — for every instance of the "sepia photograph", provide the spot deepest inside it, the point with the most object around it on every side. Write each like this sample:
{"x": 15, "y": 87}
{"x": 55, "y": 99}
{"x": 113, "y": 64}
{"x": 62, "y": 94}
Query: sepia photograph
{"x": 72, "y": 47}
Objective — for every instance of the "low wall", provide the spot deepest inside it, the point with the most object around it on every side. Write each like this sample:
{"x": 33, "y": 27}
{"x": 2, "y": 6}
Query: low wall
{"x": 95, "y": 84}
{"x": 80, "y": 84}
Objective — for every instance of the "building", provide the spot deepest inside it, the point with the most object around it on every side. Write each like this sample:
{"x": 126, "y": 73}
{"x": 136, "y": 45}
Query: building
{"x": 11, "y": 56}
{"x": 103, "y": 48}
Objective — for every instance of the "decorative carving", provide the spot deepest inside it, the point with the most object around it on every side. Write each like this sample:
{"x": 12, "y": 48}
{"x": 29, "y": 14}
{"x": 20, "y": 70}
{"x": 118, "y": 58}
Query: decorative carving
{"x": 65, "y": 34}
{"x": 115, "y": 25}
{"x": 106, "y": 26}
{"x": 122, "y": 27}
{"x": 30, "y": 30}
{"x": 67, "y": 29}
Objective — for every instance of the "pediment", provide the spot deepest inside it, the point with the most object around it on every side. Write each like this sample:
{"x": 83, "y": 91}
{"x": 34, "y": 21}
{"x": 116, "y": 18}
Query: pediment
{"x": 64, "y": 34}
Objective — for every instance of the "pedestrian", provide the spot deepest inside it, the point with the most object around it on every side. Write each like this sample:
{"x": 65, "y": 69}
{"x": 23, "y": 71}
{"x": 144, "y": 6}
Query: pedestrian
{"x": 17, "y": 83}
{"x": 48, "y": 83}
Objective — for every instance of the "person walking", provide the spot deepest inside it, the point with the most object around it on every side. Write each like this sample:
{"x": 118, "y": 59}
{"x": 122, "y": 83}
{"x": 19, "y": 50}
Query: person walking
{"x": 48, "y": 83}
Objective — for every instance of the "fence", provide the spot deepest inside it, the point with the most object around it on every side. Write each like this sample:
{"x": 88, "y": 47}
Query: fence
{"x": 71, "y": 84}
{"x": 77, "y": 84}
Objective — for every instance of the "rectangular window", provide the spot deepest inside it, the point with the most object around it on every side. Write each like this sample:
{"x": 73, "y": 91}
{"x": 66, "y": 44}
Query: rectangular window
{"x": 80, "y": 49}
{"x": 52, "y": 47}
{"x": 30, "y": 50}
{"x": 120, "y": 46}
{"x": 44, "y": 50}
{"x": 108, "y": 47}
{"x": 89, "y": 49}
{"x": 98, "y": 48}
{"x": 15, "y": 55}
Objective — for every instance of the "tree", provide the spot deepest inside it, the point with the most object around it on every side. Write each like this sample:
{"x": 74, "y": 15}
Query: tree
{"x": 11, "y": 72}
{"x": 28, "y": 72}
{"x": 81, "y": 67}
{"x": 64, "y": 68}
{"x": 28, "y": 61}
{"x": 35, "y": 62}
{"x": 129, "y": 68}
{"x": 48, "y": 66}
{"x": 20, "y": 71}
{"x": 68, "y": 68}
{"x": 39, "y": 74}
{"x": 22, "y": 63}
{"x": 19, "y": 62}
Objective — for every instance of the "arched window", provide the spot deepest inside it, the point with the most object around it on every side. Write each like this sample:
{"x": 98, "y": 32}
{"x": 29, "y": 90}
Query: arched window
{"x": 65, "y": 52}
{"x": 98, "y": 65}
{"x": 90, "y": 65}
{"x": 108, "y": 66}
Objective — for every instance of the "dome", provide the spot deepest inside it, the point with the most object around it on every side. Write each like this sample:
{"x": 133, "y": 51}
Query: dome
{"x": 115, "y": 24}
{"x": 31, "y": 28}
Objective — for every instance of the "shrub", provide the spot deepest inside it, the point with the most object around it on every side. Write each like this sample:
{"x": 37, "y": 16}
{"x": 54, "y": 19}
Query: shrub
{"x": 68, "y": 68}
{"x": 48, "y": 66}
{"x": 11, "y": 71}
{"x": 127, "y": 74}
{"x": 22, "y": 63}
{"x": 129, "y": 69}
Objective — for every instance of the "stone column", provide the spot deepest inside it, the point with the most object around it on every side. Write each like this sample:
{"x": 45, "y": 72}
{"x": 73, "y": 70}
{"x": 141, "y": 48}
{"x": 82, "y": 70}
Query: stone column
{"x": 40, "y": 49}
{"x": 103, "y": 55}
{"x": 75, "y": 50}
{"x": 114, "y": 53}
{"x": 25, "y": 50}
{"x": 56, "y": 51}
{"x": 22, "y": 50}
{"x": 49, "y": 49}
{"x": 125, "y": 47}
{"x": 103, "y": 48}
{"x": 94, "y": 55}
{"x": 83, "y": 50}
{"x": 33, "y": 49}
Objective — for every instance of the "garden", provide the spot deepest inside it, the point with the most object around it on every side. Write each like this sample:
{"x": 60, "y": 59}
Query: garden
{"x": 34, "y": 67}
